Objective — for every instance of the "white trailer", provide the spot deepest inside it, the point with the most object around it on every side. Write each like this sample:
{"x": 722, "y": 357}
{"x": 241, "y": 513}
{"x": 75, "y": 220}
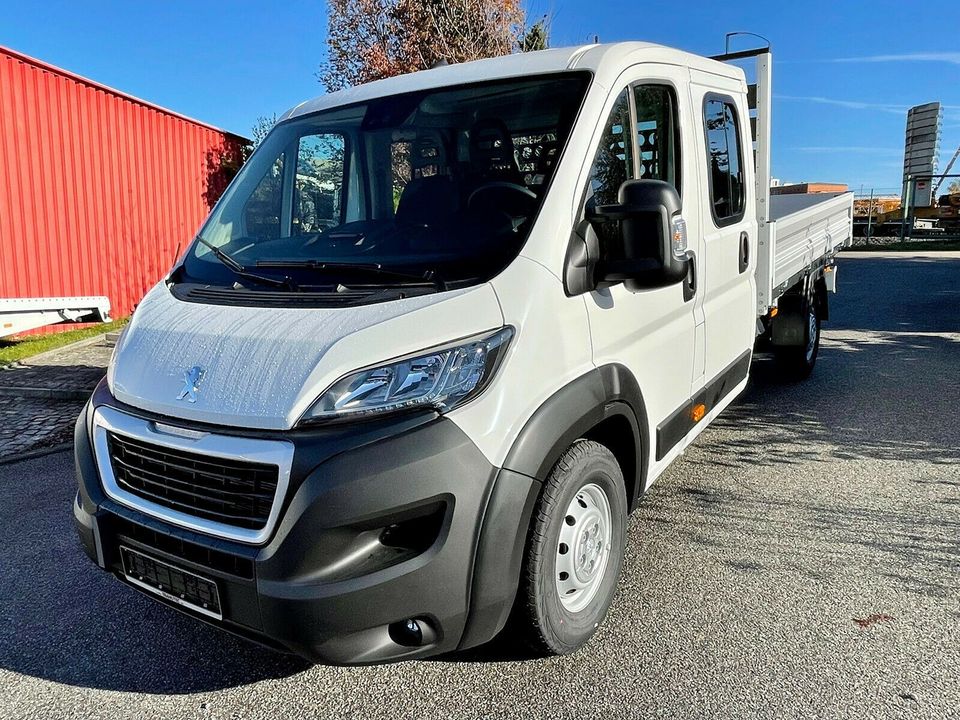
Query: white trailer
{"x": 18, "y": 315}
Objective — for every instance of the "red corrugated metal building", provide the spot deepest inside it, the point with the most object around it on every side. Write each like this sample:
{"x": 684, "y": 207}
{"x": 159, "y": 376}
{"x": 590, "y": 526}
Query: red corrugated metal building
{"x": 97, "y": 188}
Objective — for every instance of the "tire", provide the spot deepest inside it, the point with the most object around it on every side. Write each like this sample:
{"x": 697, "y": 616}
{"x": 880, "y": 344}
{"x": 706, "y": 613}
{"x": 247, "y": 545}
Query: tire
{"x": 795, "y": 363}
{"x": 554, "y": 615}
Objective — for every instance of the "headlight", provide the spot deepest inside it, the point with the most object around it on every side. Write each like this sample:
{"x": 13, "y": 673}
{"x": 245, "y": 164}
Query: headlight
{"x": 441, "y": 379}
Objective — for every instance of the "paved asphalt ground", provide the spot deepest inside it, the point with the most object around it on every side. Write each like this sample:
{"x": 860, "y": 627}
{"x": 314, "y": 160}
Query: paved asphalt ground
{"x": 804, "y": 509}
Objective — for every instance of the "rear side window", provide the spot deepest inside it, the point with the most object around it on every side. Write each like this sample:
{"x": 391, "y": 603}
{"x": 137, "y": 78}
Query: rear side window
{"x": 723, "y": 159}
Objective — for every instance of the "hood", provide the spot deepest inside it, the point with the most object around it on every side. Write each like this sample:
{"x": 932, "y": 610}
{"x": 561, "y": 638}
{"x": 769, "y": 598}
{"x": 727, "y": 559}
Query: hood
{"x": 263, "y": 367}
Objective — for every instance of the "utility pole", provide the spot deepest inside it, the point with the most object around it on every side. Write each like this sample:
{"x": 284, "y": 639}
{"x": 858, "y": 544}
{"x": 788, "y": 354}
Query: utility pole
{"x": 905, "y": 214}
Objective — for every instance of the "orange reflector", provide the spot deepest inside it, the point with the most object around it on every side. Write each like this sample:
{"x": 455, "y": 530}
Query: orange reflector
{"x": 773, "y": 312}
{"x": 698, "y": 411}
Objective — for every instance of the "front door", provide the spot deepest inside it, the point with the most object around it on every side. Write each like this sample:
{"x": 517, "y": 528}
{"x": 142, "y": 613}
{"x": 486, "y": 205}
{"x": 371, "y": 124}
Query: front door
{"x": 651, "y": 331}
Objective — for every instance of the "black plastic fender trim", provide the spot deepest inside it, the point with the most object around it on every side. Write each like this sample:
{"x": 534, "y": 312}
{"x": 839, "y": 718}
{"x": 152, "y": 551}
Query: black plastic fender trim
{"x": 499, "y": 555}
{"x": 571, "y": 412}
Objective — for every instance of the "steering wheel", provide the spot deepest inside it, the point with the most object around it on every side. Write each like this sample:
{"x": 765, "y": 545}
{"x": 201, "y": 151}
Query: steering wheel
{"x": 500, "y": 185}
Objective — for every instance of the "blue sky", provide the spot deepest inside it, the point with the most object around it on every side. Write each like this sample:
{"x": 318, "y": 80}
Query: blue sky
{"x": 844, "y": 75}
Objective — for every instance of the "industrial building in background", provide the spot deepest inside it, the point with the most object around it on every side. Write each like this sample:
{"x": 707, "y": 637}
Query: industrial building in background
{"x": 98, "y": 190}
{"x": 921, "y": 211}
{"x": 805, "y": 188}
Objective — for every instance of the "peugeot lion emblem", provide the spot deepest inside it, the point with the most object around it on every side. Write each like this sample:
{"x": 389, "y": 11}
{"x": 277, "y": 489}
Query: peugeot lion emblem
{"x": 191, "y": 384}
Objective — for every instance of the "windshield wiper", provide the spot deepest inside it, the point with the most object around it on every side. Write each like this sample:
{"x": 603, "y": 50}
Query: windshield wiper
{"x": 241, "y": 271}
{"x": 428, "y": 276}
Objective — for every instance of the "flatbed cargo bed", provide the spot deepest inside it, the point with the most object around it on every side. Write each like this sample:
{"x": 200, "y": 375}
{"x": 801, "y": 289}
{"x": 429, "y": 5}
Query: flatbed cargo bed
{"x": 802, "y": 234}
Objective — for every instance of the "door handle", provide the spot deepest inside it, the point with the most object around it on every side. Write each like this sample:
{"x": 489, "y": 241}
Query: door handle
{"x": 690, "y": 282}
{"x": 744, "y": 251}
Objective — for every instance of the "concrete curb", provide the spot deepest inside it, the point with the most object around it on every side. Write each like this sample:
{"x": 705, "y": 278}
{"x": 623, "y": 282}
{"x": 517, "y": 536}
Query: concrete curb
{"x": 899, "y": 254}
{"x": 43, "y": 393}
{"x": 46, "y": 353}
{"x": 39, "y": 452}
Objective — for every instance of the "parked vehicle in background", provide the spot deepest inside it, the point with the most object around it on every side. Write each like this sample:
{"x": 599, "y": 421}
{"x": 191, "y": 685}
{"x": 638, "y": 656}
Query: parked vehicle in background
{"x": 20, "y": 315}
{"x": 388, "y": 420}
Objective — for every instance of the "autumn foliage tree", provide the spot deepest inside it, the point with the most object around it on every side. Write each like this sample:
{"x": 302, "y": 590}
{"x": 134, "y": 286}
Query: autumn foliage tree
{"x": 373, "y": 39}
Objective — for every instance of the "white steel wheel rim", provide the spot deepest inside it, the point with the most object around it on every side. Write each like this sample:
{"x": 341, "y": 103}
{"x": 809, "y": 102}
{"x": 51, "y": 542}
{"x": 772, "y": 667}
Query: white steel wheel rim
{"x": 812, "y": 336}
{"x": 583, "y": 549}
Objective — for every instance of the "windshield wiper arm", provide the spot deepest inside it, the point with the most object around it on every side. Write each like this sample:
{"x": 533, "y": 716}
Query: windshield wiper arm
{"x": 429, "y": 276}
{"x": 241, "y": 271}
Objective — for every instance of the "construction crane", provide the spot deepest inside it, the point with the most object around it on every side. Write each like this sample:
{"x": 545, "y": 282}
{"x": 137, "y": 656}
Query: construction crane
{"x": 946, "y": 172}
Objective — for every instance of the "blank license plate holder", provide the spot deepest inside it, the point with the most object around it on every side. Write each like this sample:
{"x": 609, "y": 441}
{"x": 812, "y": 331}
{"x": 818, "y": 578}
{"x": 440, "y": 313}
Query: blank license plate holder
{"x": 172, "y": 583}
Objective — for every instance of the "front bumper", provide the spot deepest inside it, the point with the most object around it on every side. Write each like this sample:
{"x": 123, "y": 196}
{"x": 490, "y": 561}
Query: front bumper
{"x": 382, "y": 522}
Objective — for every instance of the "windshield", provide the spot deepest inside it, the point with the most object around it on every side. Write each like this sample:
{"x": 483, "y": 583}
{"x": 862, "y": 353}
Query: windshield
{"x": 438, "y": 184}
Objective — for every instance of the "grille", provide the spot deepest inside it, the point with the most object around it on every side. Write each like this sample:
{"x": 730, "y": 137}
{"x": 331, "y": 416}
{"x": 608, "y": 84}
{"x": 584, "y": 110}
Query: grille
{"x": 234, "y": 492}
{"x": 207, "y": 557}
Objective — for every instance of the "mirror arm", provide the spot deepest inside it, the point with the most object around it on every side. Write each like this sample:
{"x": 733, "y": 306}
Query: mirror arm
{"x": 614, "y": 213}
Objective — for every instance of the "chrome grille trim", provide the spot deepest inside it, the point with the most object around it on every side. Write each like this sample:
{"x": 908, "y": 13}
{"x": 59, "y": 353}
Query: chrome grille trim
{"x": 228, "y": 447}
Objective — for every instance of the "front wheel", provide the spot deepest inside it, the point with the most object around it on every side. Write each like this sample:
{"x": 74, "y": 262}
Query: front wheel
{"x": 574, "y": 551}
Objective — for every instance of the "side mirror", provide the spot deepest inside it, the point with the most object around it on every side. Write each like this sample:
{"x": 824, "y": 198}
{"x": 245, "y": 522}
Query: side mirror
{"x": 651, "y": 248}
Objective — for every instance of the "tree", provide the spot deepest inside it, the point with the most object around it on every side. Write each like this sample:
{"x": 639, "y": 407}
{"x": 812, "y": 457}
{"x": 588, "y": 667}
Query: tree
{"x": 536, "y": 37}
{"x": 373, "y": 39}
{"x": 261, "y": 127}
{"x": 953, "y": 187}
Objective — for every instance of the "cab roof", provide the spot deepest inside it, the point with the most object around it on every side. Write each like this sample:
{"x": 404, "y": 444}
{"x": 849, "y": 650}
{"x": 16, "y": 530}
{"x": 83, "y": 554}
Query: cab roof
{"x": 606, "y": 62}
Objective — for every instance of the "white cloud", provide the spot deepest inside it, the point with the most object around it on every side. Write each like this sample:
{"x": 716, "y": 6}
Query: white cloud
{"x": 951, "y": 113}
{"x": 946, "y": 57}
{"x": 849, "y": 104}
{"x": 848, "y": 149}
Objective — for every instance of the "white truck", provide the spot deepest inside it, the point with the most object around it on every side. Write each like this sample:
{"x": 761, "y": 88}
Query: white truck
{"x": 435, "y": 342}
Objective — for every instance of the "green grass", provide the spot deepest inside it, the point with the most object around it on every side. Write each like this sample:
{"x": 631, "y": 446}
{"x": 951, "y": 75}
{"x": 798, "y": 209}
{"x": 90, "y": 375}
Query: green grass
{"x": 914, "y": 246}
{"x": 13, "y": 350}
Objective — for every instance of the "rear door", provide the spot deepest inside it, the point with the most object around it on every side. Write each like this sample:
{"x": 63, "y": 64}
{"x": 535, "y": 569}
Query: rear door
{"x": 729, "y": 229}
{"x": 652, "y": 331}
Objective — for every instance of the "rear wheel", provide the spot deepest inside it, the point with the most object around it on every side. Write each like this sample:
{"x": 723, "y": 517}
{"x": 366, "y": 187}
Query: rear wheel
{"x": 574, "y": 551}
{"x": 795, "y": 362}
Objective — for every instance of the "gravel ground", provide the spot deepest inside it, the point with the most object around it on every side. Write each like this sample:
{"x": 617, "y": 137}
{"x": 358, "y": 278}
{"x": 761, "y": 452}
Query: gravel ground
{"x": 801, "y": 560}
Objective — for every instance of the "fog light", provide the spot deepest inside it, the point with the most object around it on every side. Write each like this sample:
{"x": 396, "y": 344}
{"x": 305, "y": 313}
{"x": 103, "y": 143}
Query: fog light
{"x": 407, "y": 632}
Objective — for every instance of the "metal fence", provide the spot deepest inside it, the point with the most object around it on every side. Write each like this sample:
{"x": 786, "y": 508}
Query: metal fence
{"x": 892, "y": 213}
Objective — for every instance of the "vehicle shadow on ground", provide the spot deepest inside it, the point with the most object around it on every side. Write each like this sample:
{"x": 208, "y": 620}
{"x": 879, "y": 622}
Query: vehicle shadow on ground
{"x": 63, "y": 619}
{"x": 879, "y": 392}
